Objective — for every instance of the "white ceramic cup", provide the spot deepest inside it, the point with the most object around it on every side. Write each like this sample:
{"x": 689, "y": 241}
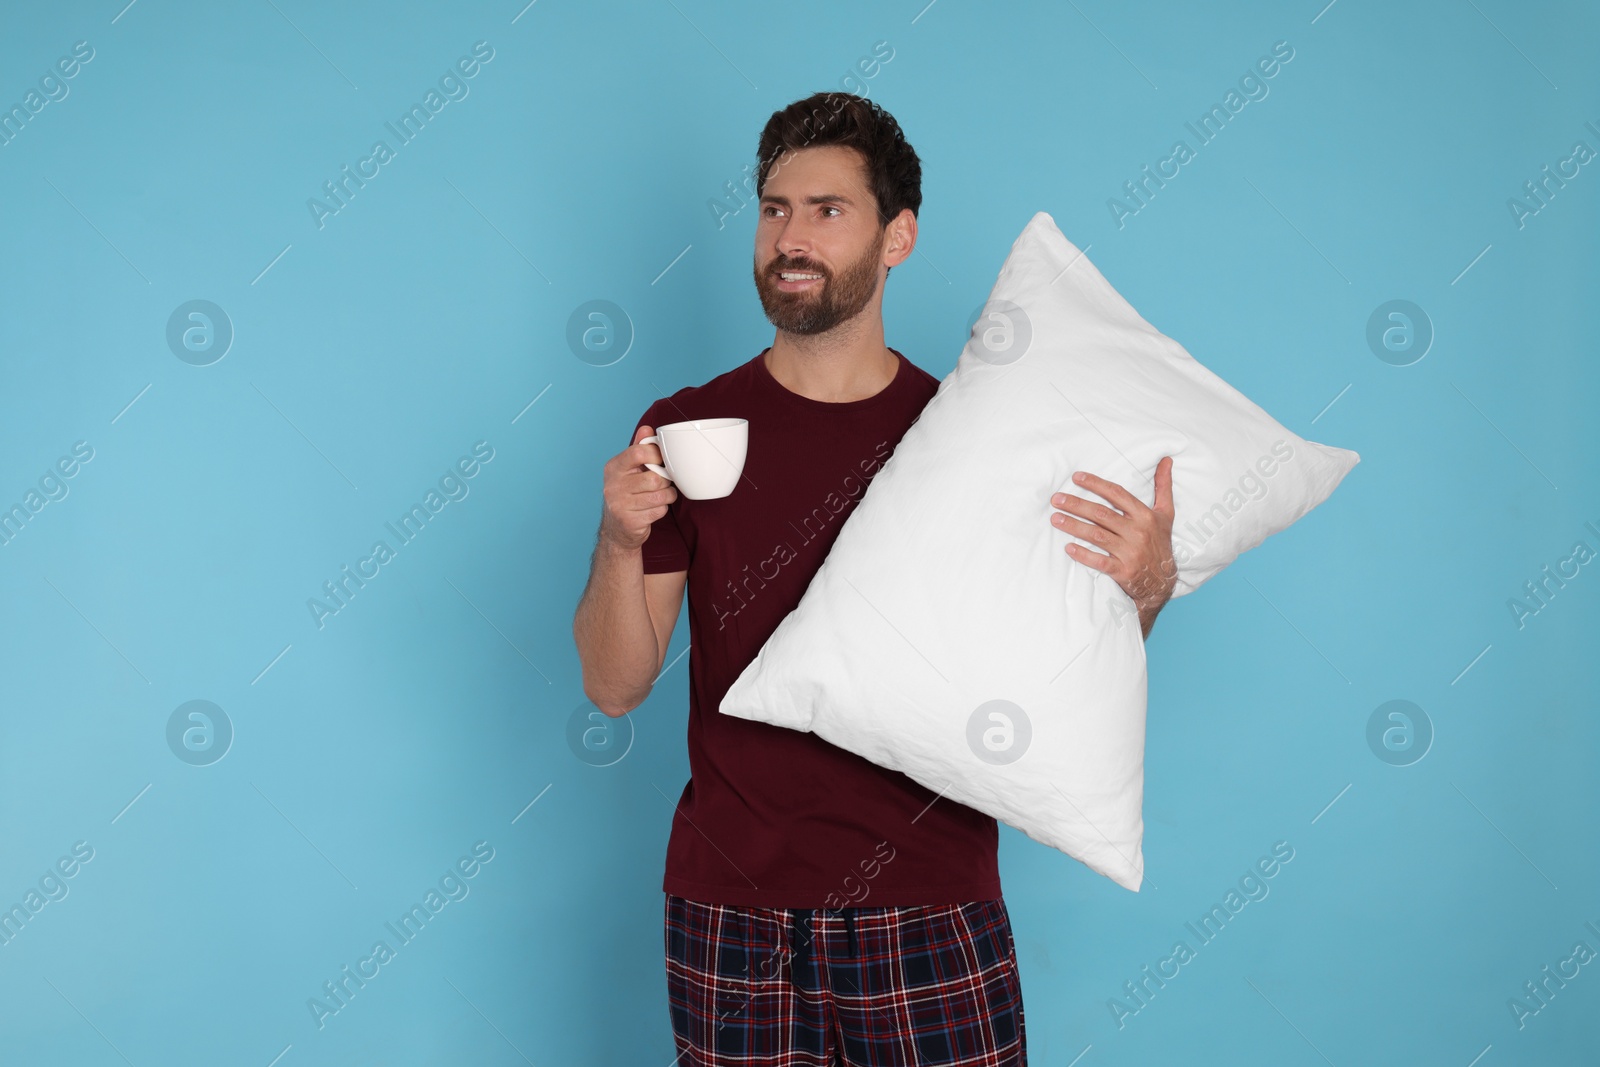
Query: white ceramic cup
{"x": 703, "y": 457}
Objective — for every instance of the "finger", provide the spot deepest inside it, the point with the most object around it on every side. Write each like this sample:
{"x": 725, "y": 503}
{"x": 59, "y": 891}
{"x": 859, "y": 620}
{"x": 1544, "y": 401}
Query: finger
{"x": 1164, "y": 487}
{"x": 628, "y": 458}
{"x": 641, "y": 495}
{"x": 1090, "y": 558}
{"x": 1086, "y": 531}
{"x": 643, "y": 480}
{"x": 1110, "y": 490}
{"x": 1110, "y": 518}
{"x": 634, "y": 448}
{"x": 638, "y": 455}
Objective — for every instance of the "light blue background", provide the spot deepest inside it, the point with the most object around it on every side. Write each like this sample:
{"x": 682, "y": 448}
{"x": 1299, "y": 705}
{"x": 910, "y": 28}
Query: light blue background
{"x": 432, "y": 310}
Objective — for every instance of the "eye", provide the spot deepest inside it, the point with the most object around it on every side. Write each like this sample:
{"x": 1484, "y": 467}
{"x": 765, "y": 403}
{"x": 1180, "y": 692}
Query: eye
{"x": 830, "y": 207}
{"x": 768, "y": 208}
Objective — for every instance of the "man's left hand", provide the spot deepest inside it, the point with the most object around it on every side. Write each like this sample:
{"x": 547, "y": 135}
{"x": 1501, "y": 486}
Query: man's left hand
{"x": 1137, "y": 539}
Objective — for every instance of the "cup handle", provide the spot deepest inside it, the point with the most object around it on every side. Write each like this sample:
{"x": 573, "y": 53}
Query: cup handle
{"x": 654, "y": 439}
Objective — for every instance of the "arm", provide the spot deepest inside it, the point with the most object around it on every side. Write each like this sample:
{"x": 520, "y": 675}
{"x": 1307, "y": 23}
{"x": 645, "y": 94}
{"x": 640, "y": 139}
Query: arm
{"x": 625, "y": 617}
{"x": 623, "y": 626}
{"x": 1147, "y": 616}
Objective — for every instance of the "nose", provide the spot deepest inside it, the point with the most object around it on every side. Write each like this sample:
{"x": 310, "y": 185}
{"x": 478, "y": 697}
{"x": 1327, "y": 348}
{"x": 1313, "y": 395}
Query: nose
{"x": 794, "y": 254}
{"x": 794, "y": 251}
{"x": 793, "y": 242}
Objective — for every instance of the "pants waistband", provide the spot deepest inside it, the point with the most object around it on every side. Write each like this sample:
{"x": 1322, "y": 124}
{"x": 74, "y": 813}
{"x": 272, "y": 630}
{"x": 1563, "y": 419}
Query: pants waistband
{"x": 800, "y": 937}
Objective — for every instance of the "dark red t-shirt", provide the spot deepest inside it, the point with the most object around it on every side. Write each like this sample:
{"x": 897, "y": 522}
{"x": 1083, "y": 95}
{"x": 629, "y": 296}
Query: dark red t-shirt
{"x": 773, "y": 817}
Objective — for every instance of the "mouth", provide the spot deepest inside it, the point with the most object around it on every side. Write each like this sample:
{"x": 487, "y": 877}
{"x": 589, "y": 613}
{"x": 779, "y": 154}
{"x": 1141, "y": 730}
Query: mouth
{"x": 795, "y": 281}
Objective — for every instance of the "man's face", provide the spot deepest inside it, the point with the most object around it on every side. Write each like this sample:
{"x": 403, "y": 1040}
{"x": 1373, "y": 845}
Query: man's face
{"x": 817, "y": 216}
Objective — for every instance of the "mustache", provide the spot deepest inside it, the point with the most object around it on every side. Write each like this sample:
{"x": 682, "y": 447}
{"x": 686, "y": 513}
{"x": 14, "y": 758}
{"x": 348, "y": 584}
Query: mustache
{"x": 781, "y": 268}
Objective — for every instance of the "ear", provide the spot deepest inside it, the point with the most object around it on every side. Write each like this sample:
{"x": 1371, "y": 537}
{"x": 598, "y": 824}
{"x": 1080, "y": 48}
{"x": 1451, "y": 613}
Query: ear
{"x": 900, "y": 239}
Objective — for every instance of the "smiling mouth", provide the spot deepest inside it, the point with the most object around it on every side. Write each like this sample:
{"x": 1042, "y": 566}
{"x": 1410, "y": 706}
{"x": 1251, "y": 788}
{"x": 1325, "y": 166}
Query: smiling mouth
{"x": 795, "y": 281}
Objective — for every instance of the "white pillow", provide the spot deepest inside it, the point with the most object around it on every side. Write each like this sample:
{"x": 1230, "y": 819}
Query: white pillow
{"x": 949, "y": 636}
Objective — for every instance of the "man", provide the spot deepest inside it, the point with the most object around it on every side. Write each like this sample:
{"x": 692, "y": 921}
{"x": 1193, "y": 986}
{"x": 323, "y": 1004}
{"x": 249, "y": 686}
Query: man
{"x": 819, "y": 908}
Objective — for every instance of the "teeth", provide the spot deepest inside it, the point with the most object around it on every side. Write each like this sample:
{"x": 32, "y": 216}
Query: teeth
{"x": 798, "y": 277}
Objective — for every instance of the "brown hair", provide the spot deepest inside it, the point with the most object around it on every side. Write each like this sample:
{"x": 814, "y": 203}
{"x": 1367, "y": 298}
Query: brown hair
{"x": 894, "y": 173}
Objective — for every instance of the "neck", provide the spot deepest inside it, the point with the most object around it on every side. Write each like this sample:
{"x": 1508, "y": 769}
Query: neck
{"x": 831, "y": 372}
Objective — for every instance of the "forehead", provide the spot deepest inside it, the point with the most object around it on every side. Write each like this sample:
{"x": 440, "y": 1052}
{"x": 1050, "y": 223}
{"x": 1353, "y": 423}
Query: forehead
{"x": 819, "y": 169}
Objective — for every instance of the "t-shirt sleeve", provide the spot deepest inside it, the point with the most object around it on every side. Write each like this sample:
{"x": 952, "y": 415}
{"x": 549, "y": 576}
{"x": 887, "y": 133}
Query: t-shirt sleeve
{"x": 665, "y": 550}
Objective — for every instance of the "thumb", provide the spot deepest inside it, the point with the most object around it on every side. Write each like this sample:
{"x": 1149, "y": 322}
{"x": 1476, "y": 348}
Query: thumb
{"x": 1164, "y": 503}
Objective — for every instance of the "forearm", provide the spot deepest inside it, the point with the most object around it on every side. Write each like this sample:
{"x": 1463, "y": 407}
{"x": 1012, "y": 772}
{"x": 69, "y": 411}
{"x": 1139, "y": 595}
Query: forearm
{"x": 615, "y": 636}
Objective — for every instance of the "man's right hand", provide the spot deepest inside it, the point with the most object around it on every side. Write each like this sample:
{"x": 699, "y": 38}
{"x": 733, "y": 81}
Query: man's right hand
{"x": 635, "y": 496}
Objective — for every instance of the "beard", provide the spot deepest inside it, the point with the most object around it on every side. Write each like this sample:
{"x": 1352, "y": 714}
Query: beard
{"x": 825, "y": 304}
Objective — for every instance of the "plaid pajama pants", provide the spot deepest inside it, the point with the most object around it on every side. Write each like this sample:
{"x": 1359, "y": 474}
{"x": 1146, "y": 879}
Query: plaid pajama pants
{"x": 859, "y": 987}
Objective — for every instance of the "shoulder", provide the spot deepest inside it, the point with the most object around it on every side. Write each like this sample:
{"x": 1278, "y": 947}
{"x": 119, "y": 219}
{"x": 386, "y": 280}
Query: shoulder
{"x": 922, "y": 382}
{"x": 924, "y": 379}
{"x": 701, "y": 401}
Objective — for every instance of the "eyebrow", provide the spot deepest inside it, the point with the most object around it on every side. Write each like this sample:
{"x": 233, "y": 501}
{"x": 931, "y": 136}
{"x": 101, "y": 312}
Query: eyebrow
{"x": 824, "y": 198}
